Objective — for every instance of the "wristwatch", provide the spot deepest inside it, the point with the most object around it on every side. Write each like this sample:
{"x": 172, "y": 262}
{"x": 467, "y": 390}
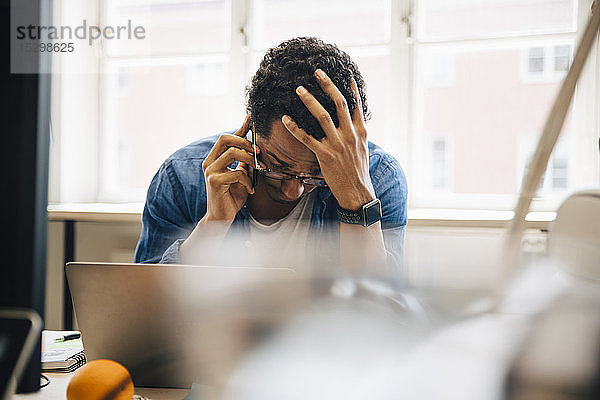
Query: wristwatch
{"x": 365, "y": 216}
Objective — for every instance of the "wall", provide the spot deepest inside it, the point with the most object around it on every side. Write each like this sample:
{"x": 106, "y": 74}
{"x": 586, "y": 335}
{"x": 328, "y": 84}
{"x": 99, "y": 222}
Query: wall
{"x": 94, "y": 241}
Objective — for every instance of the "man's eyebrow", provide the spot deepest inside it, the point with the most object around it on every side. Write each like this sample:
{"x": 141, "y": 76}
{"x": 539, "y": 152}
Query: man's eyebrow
{"x": 313, "y": 171}
{"x": 281, "y": 162}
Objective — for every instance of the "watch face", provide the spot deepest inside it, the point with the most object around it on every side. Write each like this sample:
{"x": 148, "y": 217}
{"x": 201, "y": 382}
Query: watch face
{"x": 372, "y": 213}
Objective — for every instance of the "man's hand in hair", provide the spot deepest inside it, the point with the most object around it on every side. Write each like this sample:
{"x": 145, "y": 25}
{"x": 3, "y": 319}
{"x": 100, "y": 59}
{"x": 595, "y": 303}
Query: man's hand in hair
{"x": 343, "y": 153}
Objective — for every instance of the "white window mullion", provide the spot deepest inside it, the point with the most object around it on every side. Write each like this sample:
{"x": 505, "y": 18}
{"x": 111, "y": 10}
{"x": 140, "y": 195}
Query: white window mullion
{"x": 239, "y": 54}
{"x": 399, "y": 122}
{"x": 75, "y": 107}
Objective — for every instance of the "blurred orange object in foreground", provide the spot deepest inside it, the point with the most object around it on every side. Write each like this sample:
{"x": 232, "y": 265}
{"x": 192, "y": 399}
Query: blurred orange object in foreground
{"x": 101, "y": 379}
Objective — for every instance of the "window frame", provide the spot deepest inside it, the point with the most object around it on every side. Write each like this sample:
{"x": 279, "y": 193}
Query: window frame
{"x": 79, "y": 145}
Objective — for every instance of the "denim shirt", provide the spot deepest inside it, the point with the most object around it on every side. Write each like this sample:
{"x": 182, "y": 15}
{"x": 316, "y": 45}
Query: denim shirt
{"x": 176, "y": 201}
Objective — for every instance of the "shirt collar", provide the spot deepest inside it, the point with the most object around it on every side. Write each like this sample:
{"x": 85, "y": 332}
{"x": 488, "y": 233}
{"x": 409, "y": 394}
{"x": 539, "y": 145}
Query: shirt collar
{"x": 323, "y": 194}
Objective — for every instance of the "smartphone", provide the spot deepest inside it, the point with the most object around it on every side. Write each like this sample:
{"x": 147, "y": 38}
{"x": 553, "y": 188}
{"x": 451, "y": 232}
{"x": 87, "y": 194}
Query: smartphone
{"x": 255, "y": 167}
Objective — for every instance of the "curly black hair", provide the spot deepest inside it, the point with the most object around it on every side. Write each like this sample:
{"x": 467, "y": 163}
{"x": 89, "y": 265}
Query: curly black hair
{"x": 272, "y": 91}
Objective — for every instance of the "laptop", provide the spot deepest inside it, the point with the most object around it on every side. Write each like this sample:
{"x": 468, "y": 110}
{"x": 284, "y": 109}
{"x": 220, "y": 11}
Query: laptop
{"x": 175, "y": 325}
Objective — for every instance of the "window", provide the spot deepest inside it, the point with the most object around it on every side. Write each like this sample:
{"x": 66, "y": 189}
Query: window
{"x": 187, "y": 80}
{"x": 177, "y": 88}
{"x": 546, "y": 64}
{"x": 562, "y": 58}
{"x": 441, "y": 165}
{"x": 507, "y": 60}
{"x": 560, "y": 173}
{"x": 479, "y": 72}
{"x": 536, "y": 60}
{"x": 556, "y": 181}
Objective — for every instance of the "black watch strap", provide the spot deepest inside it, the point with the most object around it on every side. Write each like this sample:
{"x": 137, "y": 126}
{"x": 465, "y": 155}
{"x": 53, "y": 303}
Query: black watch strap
{"x": 367, "y": 215}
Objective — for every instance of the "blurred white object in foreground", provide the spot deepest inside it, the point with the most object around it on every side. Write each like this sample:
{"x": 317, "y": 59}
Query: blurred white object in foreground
{"x": 575, "y": 235}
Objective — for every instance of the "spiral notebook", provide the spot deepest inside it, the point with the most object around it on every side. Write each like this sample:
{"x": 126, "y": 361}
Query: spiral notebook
{"x": 59, "y": 356}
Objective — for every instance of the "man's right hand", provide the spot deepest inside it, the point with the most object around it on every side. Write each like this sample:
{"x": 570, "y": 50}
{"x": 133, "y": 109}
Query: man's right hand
{"x": 227, "y": 189}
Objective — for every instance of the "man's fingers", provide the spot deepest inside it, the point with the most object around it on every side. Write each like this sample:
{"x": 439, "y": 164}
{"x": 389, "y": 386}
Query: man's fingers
{"x": 231, "y": 177}
{"x": 313, "y": 144}
{"x": 226, "y": 142}
{"x": 231, "y": 155}
{"x": 334, "y": 93}
{"x": 357, "y": 115}
{"x": 358, "y": 118}
{"x": 242, "y": 166}
{"x": 317, "y": 110}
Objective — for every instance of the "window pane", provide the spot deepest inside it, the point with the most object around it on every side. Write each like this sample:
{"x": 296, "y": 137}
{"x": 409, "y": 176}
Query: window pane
{"x": 171, "y": 26}
{"x": 484, "y": 112}
{"x": 151, "y": 110}
{"x": 439, "y": 164}
{"x": 455, "y": 19}
{"x": 555, "y": 180}
{"x": 344, "y": 22}
{"x": 536, "y": 59}
{"x": 560, "y": 173}
{"x": 375, "y": 68}
{"x": 562, "y": 58}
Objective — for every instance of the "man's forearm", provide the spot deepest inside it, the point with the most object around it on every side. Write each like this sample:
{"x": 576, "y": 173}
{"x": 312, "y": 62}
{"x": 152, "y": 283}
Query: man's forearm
{"x": 202, "y": 246}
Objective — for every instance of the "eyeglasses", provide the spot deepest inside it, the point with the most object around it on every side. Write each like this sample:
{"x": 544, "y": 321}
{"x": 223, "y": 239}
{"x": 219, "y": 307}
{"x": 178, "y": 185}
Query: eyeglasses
{"x": 283, "y": 176}
{"x": 280, "y": 176}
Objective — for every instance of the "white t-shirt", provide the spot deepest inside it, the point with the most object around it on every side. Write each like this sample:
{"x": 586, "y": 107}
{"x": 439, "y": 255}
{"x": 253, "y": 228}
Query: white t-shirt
{"x": 282, "y": 243}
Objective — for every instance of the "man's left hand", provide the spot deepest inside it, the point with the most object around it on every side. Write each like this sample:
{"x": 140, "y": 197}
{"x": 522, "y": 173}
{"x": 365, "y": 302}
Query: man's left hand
{"x": 343, "y": 153}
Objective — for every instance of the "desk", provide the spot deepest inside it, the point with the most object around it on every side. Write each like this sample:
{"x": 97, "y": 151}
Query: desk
{"x": 57, "y": 390}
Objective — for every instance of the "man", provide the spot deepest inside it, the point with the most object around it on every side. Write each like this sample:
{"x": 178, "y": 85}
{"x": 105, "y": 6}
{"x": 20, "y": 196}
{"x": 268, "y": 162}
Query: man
{"x": 311, "y": 185}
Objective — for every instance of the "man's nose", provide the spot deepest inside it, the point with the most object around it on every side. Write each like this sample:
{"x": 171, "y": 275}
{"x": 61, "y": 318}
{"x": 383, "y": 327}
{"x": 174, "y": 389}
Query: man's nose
{"x": 292, "y": 188}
